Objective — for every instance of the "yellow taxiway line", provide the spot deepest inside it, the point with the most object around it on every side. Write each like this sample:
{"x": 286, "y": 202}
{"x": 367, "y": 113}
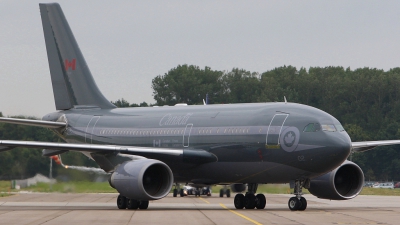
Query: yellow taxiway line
{"x": 243, "y": 216}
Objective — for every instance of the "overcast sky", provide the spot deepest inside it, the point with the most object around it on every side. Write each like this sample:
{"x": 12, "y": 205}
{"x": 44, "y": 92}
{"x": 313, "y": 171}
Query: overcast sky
{"x": 127, "y": 43}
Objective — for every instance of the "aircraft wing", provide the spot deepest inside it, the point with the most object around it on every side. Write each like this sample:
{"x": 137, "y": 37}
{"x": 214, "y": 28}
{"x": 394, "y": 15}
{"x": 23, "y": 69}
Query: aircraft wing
{"x": 368, "y": 145}
{"x": 37, "y": 123}
{"x": 188, "y": 155}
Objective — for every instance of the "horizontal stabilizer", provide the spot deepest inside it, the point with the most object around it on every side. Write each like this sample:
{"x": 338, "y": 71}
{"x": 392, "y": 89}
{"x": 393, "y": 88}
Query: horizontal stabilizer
{"x": 190, "y": 156}
{"x": 37, "y": 123}
{"x": 94, "y": 148}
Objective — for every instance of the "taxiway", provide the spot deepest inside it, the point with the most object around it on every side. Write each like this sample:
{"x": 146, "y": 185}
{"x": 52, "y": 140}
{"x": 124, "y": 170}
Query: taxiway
{"x": 56, "y": 208}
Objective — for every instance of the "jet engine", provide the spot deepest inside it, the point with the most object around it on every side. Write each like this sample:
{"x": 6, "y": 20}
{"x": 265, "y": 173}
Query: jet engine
{"x": 238, "y": 187}
{"x": 143, "y": 179}
{"x": 343, "y": 183}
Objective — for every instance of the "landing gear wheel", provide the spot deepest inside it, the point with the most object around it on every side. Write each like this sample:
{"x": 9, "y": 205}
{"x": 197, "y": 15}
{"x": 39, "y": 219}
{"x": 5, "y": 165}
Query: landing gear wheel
{"x": 260, "y": 201}
{"x": 175, "y": 193}
{"x": 228, "y": 193}
{"x": 239, "y": 201}
{"x": 303, "y": 204}
{"x": 121, "y": 202}
{"x": 249, "y": 201}
{"x": 221, "y": 193}
{"x": 294, "y": 203}
{"x": 181, "y": 193}
{"x": 197, "y": 193}
{"x": 132, "y": 204}
{"x": 143, "y": 204}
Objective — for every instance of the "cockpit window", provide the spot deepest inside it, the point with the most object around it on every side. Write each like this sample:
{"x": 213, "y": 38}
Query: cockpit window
{"x": 312, "y": 127}
{"x": 339, "y": 127}
{"x": 328, "y": 127}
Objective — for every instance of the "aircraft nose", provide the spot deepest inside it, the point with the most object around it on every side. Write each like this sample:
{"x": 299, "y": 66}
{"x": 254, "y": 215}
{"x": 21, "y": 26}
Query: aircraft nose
{"x": 342, "y": 143}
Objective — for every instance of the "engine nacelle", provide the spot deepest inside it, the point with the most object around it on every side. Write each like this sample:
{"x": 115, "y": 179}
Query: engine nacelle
{"x": 343, "y": 183}
{"x": 238, "y": 187}
{"x": 143, "y": 179}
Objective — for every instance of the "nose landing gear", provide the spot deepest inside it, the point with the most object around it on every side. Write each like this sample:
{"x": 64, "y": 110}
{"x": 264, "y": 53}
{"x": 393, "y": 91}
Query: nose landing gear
{"x": 298, "y": 202}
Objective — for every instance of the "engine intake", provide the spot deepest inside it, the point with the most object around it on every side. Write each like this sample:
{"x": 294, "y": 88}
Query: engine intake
{"x": 143, "y": 179}
{"x": 343, "y": 183}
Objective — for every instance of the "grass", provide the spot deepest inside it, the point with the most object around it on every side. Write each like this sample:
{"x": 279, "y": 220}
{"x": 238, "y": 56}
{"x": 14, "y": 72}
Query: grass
{"x": 72, "y": 187}
{"x": 380, "y": 191}
{"x": 104, "y": 187}
{"x": 5, "y": 188}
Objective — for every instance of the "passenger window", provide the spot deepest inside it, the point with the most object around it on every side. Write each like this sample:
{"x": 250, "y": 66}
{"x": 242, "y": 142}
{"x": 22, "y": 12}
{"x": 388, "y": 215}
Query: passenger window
{"x": 328, "y": 127}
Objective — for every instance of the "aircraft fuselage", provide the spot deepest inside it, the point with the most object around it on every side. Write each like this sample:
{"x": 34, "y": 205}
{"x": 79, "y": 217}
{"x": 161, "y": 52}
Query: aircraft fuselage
{"x": 272, "y": 141}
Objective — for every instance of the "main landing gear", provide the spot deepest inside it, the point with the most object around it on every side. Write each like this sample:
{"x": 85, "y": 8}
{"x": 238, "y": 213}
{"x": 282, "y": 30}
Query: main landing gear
{"x": 298, "y": 202}
{"x": 250, "y": 200}
{"x": 225, "y": 191}
{"x": 125, "y": 203}
{"x": 177, "y": 190}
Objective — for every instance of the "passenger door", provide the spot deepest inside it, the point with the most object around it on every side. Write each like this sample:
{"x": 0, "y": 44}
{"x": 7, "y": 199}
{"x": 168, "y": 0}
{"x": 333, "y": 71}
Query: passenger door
{"x": 274, "y": 130}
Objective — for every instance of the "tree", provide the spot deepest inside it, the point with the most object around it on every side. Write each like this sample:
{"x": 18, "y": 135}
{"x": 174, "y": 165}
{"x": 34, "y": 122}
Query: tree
{"x": 187, "y": 84}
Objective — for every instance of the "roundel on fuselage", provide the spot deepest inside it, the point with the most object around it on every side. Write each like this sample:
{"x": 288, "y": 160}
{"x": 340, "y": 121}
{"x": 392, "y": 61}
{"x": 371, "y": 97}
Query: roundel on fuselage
{"x": 289, "y": 139}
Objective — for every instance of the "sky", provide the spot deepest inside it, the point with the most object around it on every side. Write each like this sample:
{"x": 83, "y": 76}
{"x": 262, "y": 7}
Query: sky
{"x": 128, "y": 43}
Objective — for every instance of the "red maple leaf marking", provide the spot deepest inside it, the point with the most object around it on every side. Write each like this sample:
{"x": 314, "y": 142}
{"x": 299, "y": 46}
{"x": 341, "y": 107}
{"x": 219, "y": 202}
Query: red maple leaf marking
{"x": 69, "y": 64}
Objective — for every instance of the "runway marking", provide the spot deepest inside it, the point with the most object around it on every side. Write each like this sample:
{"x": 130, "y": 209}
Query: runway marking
{"x": 204, "y": 200}
{"x": 241, "y": 215}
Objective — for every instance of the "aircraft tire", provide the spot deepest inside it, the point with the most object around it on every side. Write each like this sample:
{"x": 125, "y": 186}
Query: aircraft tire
{"x": 249, "y": 201}
{"x": 175, "y": 193}
{"x": 260, "y": 201}
{"x": 143, "y": 204}
{"x": 294, "y": 204}
{"x": 132, "y": 204}
{"x": 181, "y": 193}
{"x": 221, "y": 193}
{"x": 121, "y": 202}
{"x": 303, "y": 204}
{"x": 228, "y": 193}
{"x": 239, "y": 201}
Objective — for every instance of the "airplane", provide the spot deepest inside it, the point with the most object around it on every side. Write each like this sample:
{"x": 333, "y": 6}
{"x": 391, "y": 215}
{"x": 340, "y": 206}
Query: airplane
{"x": 148, "y": 149}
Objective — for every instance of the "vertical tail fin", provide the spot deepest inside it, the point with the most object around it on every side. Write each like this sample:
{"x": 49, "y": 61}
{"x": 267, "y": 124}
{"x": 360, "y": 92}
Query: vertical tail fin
{"x": 72, "y": 81}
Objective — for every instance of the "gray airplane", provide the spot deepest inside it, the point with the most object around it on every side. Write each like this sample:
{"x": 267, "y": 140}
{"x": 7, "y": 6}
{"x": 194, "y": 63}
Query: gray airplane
{"x": 147, "y": 150}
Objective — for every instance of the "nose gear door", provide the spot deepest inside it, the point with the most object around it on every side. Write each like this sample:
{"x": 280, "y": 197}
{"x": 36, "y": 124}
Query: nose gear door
{"x": 274, "y": 131}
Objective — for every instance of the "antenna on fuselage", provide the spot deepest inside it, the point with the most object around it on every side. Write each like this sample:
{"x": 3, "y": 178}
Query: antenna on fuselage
{"x": 206, "y": 101}
{"x": 285, "y": 99}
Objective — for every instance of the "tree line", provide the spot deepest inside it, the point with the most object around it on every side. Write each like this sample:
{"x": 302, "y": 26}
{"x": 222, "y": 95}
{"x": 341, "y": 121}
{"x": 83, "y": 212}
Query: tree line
{"x": 365, "y": 100}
